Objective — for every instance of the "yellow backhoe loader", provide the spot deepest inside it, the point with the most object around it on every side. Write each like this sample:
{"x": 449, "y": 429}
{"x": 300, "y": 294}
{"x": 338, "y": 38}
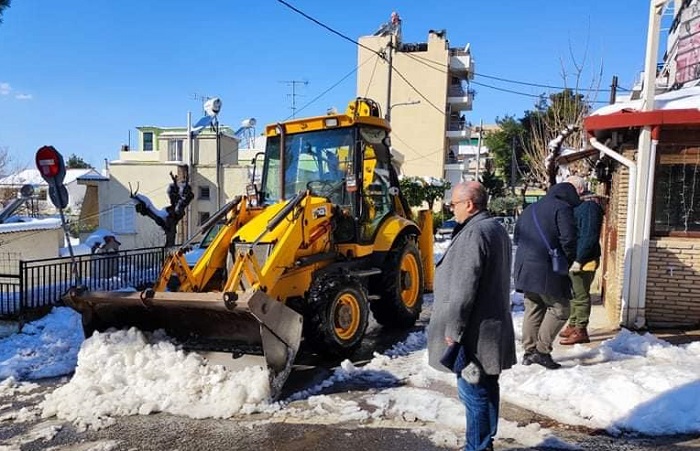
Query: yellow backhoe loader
{"x": 324, "y": 238}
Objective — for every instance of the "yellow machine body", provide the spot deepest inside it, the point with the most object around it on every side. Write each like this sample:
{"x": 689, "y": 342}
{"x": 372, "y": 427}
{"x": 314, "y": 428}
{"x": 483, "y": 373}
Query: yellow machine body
{"x": 324, "y": 239}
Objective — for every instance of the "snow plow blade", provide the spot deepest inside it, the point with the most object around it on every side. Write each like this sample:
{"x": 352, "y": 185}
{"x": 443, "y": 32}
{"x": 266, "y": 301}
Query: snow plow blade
{"x": 241, "y": 323}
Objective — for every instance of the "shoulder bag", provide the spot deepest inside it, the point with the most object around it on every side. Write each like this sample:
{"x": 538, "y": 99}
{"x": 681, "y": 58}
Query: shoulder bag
{"x": 560, "y": 265}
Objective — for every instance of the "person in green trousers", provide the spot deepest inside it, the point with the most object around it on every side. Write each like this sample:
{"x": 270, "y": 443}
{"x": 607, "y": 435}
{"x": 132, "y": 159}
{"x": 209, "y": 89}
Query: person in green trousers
{"x": 589, "y": 220}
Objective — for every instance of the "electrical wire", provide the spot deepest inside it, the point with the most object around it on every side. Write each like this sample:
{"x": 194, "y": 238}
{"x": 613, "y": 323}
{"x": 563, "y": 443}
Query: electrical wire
{"x": 321, "y": 24}
{"x": 380, "y": 54}
{"x": 436, "y": 65}
{"x": 524, "y": 93}
{"x": 333, "y": 86}
{"x": 441, "y": 68}
{"x": 371, "y": 77}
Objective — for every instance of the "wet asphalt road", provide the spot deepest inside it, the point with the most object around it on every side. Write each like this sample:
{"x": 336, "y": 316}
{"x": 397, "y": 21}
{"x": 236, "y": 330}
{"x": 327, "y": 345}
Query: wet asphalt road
{"x": 265, "y": 432}
{"x": 167, "y": 432}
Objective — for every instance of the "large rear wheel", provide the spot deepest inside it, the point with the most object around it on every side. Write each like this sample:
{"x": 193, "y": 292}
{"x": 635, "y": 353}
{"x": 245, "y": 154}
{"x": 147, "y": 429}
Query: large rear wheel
{"x": 400, "y": 287}
{"x": 338, "y": 315}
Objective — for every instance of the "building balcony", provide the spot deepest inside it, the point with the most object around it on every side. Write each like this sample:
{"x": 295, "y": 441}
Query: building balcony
{"x": 462, "y": 63}
{"x": 460, "y": 99}
{"x": 458, "y": 130}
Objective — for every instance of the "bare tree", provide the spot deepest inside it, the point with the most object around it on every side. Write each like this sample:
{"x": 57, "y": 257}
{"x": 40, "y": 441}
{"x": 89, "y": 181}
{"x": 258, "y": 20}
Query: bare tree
{"x": 554, "y": 115}
{"x": 180, "y": 195}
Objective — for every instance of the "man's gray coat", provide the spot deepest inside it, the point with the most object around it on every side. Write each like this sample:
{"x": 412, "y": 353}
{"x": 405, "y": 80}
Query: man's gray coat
{"x": 472, "y": 296}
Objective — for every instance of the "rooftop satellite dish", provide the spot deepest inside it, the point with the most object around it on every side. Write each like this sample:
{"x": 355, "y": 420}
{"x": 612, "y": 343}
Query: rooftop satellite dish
{"x": 26, "y": 191}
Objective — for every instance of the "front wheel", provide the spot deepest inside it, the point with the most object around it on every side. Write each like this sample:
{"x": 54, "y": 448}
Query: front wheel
{"x": 338, "y": 315}
{"x": 401, "y": 288}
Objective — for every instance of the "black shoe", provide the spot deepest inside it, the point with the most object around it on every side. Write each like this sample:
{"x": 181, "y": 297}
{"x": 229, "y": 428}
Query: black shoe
{"x": 527, "y": 357}
{"x": 545, "y": 360}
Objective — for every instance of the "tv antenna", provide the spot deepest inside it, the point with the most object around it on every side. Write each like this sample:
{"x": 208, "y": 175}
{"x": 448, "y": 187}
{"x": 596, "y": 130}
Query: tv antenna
{"x": 201, "y": 98}
{"x": 293, "y": 84}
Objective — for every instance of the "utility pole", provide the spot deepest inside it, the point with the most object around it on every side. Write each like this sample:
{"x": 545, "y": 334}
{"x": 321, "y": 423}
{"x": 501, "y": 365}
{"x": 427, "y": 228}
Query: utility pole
{"x": 613, "y": 90}
{"x": 478, "y": 148}
{"x": 513, "y": 166}
{"x": 294, "y": 95}
{"x": 389, "y": 61}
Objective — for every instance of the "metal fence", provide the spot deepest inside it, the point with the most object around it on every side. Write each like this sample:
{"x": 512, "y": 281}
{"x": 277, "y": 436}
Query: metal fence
{"x": 42, "y": 283}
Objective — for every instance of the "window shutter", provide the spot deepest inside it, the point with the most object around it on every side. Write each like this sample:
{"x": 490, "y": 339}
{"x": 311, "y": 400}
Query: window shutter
{"x": 123, "y": 219}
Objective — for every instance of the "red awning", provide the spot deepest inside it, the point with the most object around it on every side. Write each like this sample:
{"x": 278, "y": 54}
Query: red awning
{"x": 634, "y": 118}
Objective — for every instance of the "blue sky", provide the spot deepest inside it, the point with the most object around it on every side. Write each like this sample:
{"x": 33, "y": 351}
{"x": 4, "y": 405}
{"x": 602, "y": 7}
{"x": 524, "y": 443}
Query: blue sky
{"x": 81, "y": 75}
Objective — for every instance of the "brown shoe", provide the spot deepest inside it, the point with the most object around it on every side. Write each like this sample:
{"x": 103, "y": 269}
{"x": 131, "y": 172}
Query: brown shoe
{"x": 579, "y": 335}
{"x": 566, "y": 331}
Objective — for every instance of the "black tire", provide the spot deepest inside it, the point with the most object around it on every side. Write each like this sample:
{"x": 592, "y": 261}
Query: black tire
{"x": 338, "y": 314}
{"x": 400, "y": 287}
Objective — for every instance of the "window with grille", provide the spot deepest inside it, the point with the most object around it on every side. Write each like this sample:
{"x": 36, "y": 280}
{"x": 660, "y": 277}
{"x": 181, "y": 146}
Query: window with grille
{"x": 203, "y": 217}
{"x": 204, "y": 193}
{"x": 677, "y": 194}
{"x": 175, "y": 147}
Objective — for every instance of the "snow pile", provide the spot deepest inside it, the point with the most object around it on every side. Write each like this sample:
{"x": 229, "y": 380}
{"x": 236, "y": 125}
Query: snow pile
{"x": 628, "y": 383}
{"x": 132, "y": 373}
{"x": 631, "y": 382}
{"x": 45, "y": 348}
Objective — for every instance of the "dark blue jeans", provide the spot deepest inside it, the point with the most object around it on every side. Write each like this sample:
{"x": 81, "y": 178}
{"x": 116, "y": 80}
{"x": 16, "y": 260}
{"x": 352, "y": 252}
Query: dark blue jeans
{"x": 481, "y": 403}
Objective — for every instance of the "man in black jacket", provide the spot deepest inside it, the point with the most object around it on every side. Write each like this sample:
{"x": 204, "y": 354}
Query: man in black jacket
{"x": 589, "y": 220}
{"x": 547, "y": 222}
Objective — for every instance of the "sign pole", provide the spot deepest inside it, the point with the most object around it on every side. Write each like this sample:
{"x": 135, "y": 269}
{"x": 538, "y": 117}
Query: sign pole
{"x": 52, "y": 168}
{"x": 74, "y": 264}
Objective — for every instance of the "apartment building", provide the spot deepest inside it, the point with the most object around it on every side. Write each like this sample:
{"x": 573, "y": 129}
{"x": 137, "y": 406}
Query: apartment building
{"x": 426, "y": 98}
{"x": 215, "y": 178}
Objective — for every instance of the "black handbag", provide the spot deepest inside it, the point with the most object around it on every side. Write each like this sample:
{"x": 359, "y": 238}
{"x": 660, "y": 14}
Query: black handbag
{"x": 454, "y": 357}
{"x": 560, "y": 264}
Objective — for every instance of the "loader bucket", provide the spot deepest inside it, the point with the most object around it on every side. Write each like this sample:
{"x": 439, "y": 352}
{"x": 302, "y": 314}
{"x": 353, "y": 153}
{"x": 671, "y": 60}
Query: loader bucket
{"x": 241, "y": 323}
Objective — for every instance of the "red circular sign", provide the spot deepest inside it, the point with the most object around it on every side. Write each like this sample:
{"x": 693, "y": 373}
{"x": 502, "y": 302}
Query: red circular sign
{"x": 48, "y": 161}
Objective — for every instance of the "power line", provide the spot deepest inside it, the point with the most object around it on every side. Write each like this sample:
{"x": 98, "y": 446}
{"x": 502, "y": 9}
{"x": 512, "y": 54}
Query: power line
{"x": 380, "y": 54}
{"x": 371, "y": 77}
{"x": 427, "y": 61}
{"x": 331, "y": 87}
{"x": 507, "y": 90}
{"x": 440, "y": 110}
{"x": 442, "y": 68}
{"x": 321, "y": 24}
{"x": 524, "y": 93}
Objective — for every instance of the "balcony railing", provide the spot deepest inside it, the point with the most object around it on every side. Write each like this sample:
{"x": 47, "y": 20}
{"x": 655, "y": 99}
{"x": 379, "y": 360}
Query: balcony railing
{"x": 458, "y": 126}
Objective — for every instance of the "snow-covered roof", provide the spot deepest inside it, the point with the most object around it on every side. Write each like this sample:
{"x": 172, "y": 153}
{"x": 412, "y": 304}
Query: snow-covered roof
{"x": 688, "y": 98}
{"x": 93, "y": 175}
{"x": 20, "y": 224}
{"x": 33, "y": 177}
{"x": 681, "y": 107}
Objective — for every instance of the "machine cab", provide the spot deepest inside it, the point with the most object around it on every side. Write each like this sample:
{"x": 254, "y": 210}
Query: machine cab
{"x": 342, "y": 158}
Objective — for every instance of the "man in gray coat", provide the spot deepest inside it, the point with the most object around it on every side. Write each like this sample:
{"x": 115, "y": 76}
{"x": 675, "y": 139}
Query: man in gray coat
{"x": 471, "y": 311}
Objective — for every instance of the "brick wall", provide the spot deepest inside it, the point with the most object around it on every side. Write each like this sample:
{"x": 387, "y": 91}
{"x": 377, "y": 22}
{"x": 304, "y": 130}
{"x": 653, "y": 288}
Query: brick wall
{"x": 672, "y": 282}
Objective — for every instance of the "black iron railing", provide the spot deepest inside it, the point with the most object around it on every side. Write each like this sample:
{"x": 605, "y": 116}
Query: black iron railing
{"x": 42, "y": 283}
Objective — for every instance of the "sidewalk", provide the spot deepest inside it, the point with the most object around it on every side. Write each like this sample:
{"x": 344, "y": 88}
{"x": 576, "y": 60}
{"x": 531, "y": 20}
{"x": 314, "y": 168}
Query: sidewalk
{"x": 601, "y": 328}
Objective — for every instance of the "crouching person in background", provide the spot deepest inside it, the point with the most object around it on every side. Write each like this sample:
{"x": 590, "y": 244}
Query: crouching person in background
{"x": 471, "y": 327}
